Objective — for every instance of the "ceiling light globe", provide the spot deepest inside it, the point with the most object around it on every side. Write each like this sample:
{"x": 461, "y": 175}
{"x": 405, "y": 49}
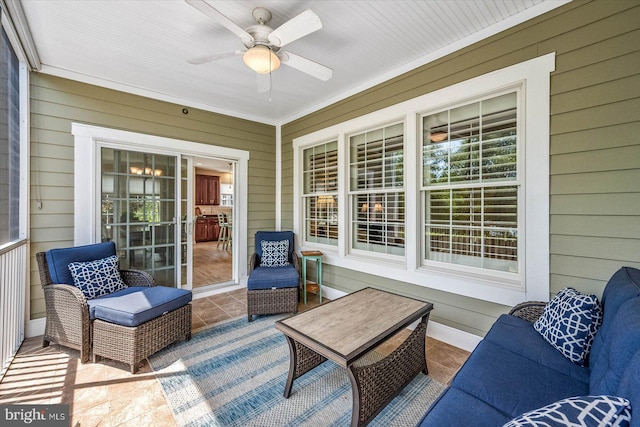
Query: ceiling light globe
{"x": 261, "y": 59}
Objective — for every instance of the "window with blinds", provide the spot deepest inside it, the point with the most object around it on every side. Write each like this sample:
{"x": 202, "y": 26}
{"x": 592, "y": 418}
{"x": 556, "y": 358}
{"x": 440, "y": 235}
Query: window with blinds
{"x": 320, "y": 193}
{"x": 470, "y": 184}
{"x": 376, "y": 176}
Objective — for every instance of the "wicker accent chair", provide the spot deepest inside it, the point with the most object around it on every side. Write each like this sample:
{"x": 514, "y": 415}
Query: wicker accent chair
{"x": 73, "y": 320}
{"x": 273, "y": 289}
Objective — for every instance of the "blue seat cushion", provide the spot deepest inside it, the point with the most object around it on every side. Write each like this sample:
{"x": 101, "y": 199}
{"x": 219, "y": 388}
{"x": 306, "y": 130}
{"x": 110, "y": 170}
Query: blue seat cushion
{"x": 58, "y": 260}
{"x": 136, "y": 305}
{"x": 519, "y": 336}
{"x": 621, "y": 344}
{"x": 273, "y": 277}
{"x": 456, "y": 408}
{"x": 512, "y": 383}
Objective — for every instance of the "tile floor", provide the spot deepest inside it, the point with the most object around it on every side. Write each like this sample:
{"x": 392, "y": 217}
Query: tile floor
{"x": 106, "y": 394}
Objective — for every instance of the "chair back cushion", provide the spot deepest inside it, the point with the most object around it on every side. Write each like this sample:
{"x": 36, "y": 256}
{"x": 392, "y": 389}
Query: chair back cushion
{"x": 274, "y": 236}
{"x": 58, "y": 260}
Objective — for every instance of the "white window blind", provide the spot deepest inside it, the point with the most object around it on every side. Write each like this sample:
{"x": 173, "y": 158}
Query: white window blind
{"x": 470, "y": 184}
{"x": 377, "y": 190}
{"x": 320, "y": 190}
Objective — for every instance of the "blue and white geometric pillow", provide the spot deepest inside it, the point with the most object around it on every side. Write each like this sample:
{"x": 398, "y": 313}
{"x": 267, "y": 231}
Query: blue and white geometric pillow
{"x": 274, "y": 253}
{"x": 569, "y": 322}
{"x": 97, "y": 278}
{"x": 580, "y": 411}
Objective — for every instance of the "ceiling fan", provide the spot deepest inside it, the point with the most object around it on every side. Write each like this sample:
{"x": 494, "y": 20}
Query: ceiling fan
{"x": 263, "y": 44}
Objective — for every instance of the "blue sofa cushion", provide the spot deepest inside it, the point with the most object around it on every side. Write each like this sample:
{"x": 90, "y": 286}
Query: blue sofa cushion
{"x": 623, "y": 286}
{"x": 58, "y": 259}
{"x": 136, "y": 305}
{"x": 511, "y": 383}
{"x": 620, "y": 346}
{"x": 569, "y": 322}
{"x": 273, "y": 277}
{"x": 456, "y": 408}
{"x": 518, "y": 336}
{"x": 275, "y": 253}
{"x": 629, "y": 387}
{"x": 588, "y": 411}
{"x": 97, "y": 278}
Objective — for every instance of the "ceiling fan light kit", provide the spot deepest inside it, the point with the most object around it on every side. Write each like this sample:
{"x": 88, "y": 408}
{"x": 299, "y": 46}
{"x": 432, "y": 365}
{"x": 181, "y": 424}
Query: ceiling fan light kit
{"x": 261, "y": 59}
{"x": 262, "y": 43}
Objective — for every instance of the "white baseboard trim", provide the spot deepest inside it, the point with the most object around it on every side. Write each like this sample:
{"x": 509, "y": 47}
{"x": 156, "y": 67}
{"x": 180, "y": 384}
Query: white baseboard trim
{"x": 33, "y": 328}
{"x": 444, "y": 333}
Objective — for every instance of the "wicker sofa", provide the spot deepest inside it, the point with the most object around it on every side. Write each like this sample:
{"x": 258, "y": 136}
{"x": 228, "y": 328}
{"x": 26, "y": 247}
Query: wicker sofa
{"x": 127, "y": 325}
{"x": 513, "y": 370}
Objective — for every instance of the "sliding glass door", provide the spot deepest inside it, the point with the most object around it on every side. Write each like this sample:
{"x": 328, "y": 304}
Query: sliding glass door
{"x": 143, "y": 197}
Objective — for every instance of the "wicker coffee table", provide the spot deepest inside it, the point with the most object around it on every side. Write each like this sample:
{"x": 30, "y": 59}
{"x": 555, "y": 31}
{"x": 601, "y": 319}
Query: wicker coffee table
{"x": 346, "y": 329}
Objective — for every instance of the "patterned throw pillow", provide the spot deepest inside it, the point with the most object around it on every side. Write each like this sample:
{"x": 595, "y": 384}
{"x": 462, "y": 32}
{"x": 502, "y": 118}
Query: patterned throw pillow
{"x": 97, "y": 278}
{"x": 274, "y": 253}
{"x": 569, "y": 323}
{"x": 580, "y": 411}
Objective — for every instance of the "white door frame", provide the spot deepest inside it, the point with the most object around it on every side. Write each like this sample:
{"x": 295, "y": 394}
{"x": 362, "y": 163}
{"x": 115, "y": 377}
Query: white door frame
{"x": 87, "y": 190}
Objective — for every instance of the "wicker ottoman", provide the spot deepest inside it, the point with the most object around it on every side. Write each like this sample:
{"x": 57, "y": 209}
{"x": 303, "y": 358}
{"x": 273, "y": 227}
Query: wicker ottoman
{"x": 271, "y": 301}
{"x": 132, "y": 344}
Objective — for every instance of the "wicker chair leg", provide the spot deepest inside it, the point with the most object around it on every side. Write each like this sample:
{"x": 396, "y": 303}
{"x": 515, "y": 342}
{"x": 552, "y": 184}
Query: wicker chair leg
{"x": 45, "y": 343}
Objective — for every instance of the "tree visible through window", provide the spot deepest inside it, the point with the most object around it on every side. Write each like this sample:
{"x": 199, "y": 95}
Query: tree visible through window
{"x": 470, "y": 184}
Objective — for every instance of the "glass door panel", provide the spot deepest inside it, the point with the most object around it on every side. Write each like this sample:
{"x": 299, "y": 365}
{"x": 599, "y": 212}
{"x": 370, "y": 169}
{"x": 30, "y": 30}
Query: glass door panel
{"x": 138, "y": 211}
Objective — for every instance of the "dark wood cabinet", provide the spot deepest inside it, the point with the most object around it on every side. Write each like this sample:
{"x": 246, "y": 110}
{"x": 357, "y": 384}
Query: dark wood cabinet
{"x": 207, "y": 229}
{"x": 207, "y": 190}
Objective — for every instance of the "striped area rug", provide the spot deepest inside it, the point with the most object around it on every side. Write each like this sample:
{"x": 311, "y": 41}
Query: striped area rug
{"x": 234, "y": 374}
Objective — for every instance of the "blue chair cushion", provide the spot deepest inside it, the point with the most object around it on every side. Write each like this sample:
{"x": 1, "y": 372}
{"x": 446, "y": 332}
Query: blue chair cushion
{"x": 569, "y": 323}
{"x": 273, "y": 277}
{"x": 578, "y": 411}
{"x": 136, "y": 305}
{"x": 58, "y": 260}
{"x": 97, "y": 278}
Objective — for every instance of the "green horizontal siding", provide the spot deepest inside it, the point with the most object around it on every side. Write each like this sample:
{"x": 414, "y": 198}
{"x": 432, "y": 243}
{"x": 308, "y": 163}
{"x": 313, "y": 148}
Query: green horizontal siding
{"x": 594, "y": 146}
{"x": 57, "y": 102}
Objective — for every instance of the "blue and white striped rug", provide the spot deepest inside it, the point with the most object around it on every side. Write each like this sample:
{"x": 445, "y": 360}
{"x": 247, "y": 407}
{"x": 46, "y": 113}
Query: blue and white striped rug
{"x": 234, "y": 373}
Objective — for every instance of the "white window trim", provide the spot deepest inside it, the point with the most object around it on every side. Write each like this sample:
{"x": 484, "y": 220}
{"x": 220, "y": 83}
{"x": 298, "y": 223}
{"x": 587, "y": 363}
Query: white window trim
{"x": 87, "y": 142}
{"x": 533, "y": 76}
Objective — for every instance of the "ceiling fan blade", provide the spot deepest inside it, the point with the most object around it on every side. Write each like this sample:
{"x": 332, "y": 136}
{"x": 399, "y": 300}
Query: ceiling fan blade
{"x": 305, "y": 65}
{"x": 305, "y": 23}
{"x": 214, "y": 57}
{"x": 217, "y": 16}
{"x": 263, "y": 82}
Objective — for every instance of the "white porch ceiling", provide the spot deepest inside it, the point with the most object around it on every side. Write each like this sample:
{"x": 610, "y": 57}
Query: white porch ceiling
{"x": 142, "y": 46}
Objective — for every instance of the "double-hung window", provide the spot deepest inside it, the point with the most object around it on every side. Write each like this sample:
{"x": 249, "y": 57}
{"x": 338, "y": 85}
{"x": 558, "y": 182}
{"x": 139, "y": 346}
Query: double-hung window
{"x": 320, "y": 193}
{"x": 470, "y": 184}
{"x": 448, "y": 190}
{"x": 376, "y": 176}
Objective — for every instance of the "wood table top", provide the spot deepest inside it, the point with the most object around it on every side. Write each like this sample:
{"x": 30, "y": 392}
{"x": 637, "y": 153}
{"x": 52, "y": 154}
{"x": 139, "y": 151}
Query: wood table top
{"x": 346, "y": 328}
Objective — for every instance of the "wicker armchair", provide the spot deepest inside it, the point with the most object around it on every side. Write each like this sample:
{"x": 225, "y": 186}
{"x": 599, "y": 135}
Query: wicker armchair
{"x": 273, "y": 290}
{"x": 67, "y": 311}
{"x": 126, "y": 325}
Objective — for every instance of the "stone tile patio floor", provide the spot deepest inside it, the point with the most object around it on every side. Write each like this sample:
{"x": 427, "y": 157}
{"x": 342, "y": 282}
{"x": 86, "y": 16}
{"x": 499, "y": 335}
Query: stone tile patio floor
{"x": 106, "y": 394}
